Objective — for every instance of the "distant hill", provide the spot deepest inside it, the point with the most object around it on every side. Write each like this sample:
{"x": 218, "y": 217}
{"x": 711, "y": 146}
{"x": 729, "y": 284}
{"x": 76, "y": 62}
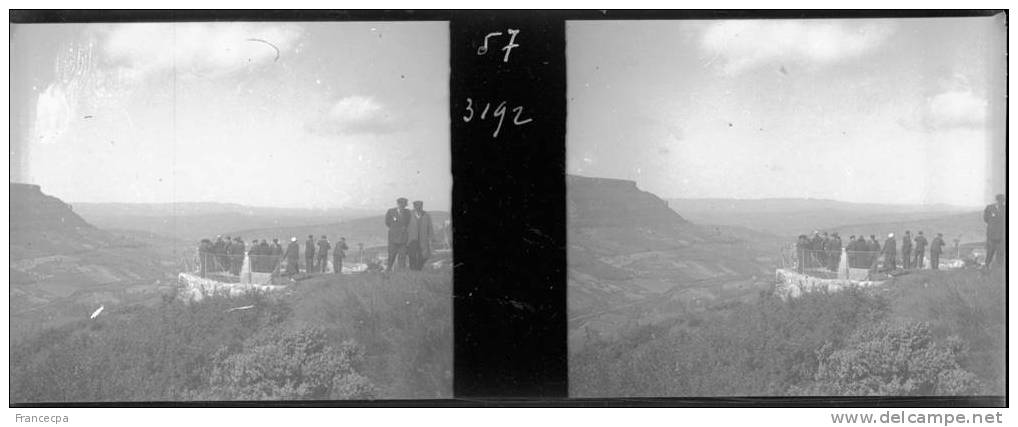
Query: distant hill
{"x": 628, "y": 249}
{"x": 193, "y": 221}
{"x": 967, "y": 227}
{"x": 791, "y": 217}
{"x": 370, "y": 231}
{"x": 59, "y": 261}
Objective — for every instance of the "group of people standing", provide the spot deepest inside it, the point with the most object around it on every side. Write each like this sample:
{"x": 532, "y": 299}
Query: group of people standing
{"x": 410, "y": 238}
{"x": 823, "y": 250}
{"x": 913, "y": 251}
{"x": 410, "y": 234}
{"x": 227, "y": 255}
{"x": 316, "y": 255}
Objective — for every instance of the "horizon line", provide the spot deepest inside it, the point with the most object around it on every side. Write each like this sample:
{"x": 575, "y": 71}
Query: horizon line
{"x": 666, "y": 198}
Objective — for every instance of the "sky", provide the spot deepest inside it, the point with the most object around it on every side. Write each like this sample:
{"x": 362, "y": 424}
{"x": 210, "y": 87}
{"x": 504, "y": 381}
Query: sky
{"x": 308, "y": 115}
{"x": 901, "y": 111}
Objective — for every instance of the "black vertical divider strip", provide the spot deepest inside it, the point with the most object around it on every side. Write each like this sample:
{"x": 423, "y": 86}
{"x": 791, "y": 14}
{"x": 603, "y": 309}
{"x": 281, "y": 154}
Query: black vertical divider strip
{"x": 508, "y": 206}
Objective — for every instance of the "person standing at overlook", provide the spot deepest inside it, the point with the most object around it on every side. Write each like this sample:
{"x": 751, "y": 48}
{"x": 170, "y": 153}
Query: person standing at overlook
{"x": 994, "y": 215}
{"x": 397, "y": 219}
{"x": 890, "y": 253}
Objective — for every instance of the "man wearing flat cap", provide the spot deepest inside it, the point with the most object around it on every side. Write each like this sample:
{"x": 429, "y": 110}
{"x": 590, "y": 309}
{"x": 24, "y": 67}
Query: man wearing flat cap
{"x": 397, "y": 219}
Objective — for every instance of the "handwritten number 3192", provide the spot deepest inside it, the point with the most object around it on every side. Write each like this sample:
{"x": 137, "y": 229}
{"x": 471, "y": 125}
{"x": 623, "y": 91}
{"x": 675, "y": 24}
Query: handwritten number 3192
{"x": 498, "y": 113}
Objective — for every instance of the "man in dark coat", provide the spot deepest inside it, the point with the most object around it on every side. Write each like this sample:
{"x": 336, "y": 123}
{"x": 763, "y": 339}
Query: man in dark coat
{"x": 890, "y": 253}
{"x": 920, "y": 250}
{"x": 420, "y": 233}
{"x": 265, "y": 257}
{"x": 323, "y": 254}
{"x": 850, "y": 249}
{"x": 994, "y": 215}
{"x": 906, "y": 250}
{"x": 936, "y": 246}
{"x": 225, "y": 257}
{"x": 824, "y": 250}
{"x": 236, "y": 254}
{"x": 397, "y": 219}
{"x": 873, "y": 246}
{"x": 254, "y": 254}
{"x": 292, "y": 256}
{"x": 858, "y": 254}
{"x": 338, "y": 253}
{"x": 219, "y": 254}
{"x": 309, "y": 254}
{"x": 816, "y": 247}
{"x": 834, "y": 252}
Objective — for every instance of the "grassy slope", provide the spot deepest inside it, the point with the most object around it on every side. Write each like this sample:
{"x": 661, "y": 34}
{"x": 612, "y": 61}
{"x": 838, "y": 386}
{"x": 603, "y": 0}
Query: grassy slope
{"x": 969, "y": 304}
{"x": 403, "y": 320}
{"x": 162, "y": 352}
{"x": 767, "y": 346}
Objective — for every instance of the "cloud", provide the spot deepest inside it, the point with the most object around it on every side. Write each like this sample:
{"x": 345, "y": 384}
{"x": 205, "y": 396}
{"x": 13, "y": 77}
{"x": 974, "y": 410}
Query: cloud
{"x": 744, "y": 44}
{"x": 197, "y": 49}
{"x": 956, "y": 109}
{"x": 357, "y": 114}
{"x": 955, "y": 105}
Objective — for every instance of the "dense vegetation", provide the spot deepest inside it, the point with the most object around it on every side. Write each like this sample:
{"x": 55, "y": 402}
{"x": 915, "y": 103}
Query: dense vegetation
{"x": 927, "y": 333}
{"x": 349, "y": 337}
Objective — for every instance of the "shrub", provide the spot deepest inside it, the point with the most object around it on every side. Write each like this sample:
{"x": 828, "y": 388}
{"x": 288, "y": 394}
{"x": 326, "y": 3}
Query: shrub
{"x": 746, "y": 349}
{"x": 289, "y": 365}
{"x": 403, "y": 321}
{"x": 297, "y": 345}
{"x": 160, "y": 353}
{"x": 894, "y": 359}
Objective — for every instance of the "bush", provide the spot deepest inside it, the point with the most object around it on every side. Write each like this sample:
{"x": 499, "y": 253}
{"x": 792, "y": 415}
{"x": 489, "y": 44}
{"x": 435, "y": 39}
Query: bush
{"x": 760, "y": 348}
{"x": 926, "y": 333}
{"x": 961, "y": 303}
{"x": 289, "y": 365}
{"x": 403, "y": 320}
{"x": 298, "y": 345}
{"x": 133, "y": 354}
{"x": 899, "y": 359}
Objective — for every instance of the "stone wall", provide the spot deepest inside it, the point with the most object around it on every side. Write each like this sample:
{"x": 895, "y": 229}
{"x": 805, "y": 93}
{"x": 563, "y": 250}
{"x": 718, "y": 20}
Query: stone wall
{"x": 792, "y": 284}
{"x": 194, "y": 288}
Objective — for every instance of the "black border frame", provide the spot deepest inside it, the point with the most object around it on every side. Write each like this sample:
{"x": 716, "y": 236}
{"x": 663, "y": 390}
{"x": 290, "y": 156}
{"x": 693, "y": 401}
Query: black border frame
{"x": 543, "y": 386}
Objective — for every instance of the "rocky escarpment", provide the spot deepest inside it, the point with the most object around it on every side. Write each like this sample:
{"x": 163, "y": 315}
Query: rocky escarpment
{"x": 603, "y": 202}
{"x": 32, "y": 210}
{"x": 54, "y": 253}
{"x": 632, "y": 259}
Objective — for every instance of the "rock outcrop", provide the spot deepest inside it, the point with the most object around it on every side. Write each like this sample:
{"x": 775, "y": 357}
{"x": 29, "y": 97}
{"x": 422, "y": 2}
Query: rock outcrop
{"x": 32, "y": 210}
{"x": 603, "y": 202}
{"x": 55, "y": 254}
